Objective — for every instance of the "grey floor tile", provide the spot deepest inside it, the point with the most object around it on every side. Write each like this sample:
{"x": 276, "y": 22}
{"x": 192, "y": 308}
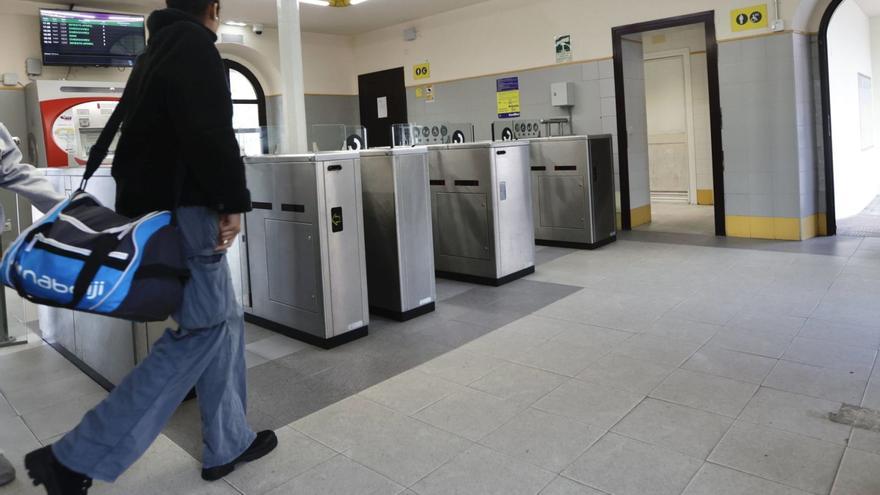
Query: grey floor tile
{"x": 481, "y": 470}
{"x": 719, "y": 480}
{"x": 33, "y": 368}
{"x": 619, "y": 465}
{"x": 660, "y": 350}
{"x": 762, "y": 344}
{"x": 519, "y": 383}
{"x": 452, "y": 333}
{"x": 776, "y": 324}
{"x": 872, "y": 395}
{"x": 504, "y": 345}
{"x": 565, "y": 486}
{"x": 347, "y": 423}
{"x": 287, "y": 396}
{"x": 703, "y": 309}
{"x": 461, "y": 366}
{"x": 253, "y": 333}
{"x": 470, "y": 413}
{"x": 22, "y": 484}
{"x": 275, "y": 347}
{"x": 858, "y": 361}
{"x": 546, "y": 440}
{"x": 16, "y": 439}
{"x": 823, "y": 383}
{"x": 632, "y": 375}
{"x": 841, "y": 333}
{"x": 294, "y": 455}
{"x": 408, "y": 451}
{"x": 706, "y": 392}
{"x": 253, "y": 360}
{"x": 866, "y": 440}
{"x": 794, "y": 460}
{"x": 680, "y": 329}
{"x": 61, "y": 418}
{"x": 73, "y": 386}
{"x": 411, "y": 391}
{"x": 796, "y": 414}
{"x": 685, "y": 430}
{"x": 591, "y": 403}
{"x": 164, "y": 469}
{"x": 312, "y": 360}
{"x": 858, "y": 474}
{"x": 563, "y": 358}
{"x": 735, "y": 365}
{"x": 339, "y": 476}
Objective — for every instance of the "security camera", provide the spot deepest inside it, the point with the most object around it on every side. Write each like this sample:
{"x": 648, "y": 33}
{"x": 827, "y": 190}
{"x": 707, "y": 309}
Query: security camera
{"x": 258, "y": 28}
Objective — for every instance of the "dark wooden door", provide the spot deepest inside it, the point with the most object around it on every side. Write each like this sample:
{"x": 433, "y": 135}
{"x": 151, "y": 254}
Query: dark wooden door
{"x": 383, "y": 91}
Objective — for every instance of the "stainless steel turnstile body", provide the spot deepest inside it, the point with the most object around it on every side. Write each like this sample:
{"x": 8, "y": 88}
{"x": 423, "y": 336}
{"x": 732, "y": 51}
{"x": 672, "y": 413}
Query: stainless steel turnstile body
{"x": 397, "y": 231}
{"x": 481, "y": 201}
{"x": 305, "y": 247}
{"x": 573, "y": 191}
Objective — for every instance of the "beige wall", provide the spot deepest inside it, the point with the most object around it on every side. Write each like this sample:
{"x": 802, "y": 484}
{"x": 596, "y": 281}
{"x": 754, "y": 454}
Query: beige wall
{"x": 508, "y": 35}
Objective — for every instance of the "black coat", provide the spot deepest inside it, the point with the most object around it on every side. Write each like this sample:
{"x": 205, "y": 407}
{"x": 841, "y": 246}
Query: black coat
{"x": 177, "y": 146}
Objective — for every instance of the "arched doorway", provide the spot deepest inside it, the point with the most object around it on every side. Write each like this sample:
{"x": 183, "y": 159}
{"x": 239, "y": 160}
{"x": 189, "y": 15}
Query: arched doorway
{"x": 843, "y": 200}
{"x": 248, "y": 109}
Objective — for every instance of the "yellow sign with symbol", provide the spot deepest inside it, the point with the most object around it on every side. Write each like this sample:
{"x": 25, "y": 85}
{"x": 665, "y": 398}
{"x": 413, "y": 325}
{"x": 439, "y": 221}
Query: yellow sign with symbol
{"x": 425, "y": 93}
{"x": 422, "y": 71}
{"x": 748, "y": 18}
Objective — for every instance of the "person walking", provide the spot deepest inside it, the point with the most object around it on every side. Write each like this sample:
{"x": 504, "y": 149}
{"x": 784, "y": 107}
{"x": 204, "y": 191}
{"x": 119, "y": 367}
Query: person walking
{"x": 27, "y": 181}
{"x": 177, "y": 151}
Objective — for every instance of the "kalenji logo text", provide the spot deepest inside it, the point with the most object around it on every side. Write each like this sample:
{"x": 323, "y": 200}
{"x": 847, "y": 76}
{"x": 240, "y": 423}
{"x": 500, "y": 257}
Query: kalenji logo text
{"x": 95, "y": 290}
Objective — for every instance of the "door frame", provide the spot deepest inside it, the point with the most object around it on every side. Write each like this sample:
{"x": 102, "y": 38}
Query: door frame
{"x": 706, "y": 18}
{"x": 827, "y": 136}
{"x": 685, "y": 56}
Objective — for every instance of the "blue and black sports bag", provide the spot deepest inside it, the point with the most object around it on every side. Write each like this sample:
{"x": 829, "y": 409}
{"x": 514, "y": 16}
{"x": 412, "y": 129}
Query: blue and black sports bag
{"x": 86, "y": 257}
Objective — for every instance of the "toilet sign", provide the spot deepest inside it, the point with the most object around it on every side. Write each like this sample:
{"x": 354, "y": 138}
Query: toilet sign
{"x": 422, "y": 71}
{"x": 749, "y": 18}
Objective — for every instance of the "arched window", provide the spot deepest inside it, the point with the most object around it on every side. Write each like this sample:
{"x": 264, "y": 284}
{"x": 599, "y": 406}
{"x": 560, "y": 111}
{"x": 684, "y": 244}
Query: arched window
{"x": 248, "y": 109}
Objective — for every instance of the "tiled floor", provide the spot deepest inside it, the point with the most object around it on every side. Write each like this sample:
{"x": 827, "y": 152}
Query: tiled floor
{"x": 655, "y": 365}
{"x": 681, "y": 218}
{"x": 865, "y": 224}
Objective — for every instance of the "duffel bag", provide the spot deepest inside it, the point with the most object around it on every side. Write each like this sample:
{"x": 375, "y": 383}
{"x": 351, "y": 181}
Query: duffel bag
{"x": 86, "y": 257}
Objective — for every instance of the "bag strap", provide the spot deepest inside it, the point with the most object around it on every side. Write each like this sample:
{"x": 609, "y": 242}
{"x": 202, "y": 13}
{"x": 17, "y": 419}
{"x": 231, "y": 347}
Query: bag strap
{"x": 105, "y": 244}
{"x": 101, "y": 147}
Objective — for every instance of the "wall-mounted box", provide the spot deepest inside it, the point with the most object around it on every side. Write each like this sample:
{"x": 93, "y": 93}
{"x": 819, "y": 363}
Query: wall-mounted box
{"x": 562, "y": 94}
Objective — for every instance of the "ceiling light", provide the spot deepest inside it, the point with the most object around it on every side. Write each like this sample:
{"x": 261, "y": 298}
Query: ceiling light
{"x": 235, "y": 23}
{"x": 320, "y": 3}
{"x": 355, "y": 2}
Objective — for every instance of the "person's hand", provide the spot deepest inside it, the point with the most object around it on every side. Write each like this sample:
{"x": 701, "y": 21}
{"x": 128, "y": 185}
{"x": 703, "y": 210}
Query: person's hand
{"x": 230, "y": 226}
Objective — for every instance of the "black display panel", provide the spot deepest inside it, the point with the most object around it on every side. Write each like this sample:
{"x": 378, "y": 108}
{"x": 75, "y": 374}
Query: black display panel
{"x": 90, "y": 38}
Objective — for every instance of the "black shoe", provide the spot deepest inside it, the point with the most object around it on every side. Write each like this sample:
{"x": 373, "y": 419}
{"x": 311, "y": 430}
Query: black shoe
{"x": 43, "y": 467}
{"x": 265, "y": 442}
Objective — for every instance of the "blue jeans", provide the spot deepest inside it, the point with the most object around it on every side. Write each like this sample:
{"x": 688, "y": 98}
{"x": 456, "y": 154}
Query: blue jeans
{"x": 206, "y": 352}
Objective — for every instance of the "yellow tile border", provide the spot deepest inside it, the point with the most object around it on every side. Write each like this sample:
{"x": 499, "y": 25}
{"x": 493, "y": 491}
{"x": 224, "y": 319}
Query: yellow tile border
{"x": 705, "y": 197}
{"x": 640, "y": 216}
{"x": 776, "y": 228}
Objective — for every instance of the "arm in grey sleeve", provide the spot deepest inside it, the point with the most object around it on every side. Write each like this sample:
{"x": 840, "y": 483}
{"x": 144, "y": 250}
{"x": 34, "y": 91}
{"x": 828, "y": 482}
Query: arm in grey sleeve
{"x": 22, "y": 178}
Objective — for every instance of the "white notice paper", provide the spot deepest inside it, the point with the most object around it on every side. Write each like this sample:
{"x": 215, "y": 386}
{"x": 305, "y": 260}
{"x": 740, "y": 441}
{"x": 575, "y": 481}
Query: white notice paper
{"x": 382, "y": 104}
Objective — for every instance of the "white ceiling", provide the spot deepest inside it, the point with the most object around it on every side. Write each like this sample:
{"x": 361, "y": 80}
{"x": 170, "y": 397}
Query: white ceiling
{"x": 362, "y": 18}
{"x": 870, "y": 7}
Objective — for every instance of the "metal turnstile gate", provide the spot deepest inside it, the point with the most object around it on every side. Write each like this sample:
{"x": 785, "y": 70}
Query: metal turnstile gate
{"x": 573, "y": 191}
{"x": 481, "y": 200}
{"x": 305, "y": 247}
{"x": 397, "y": 232}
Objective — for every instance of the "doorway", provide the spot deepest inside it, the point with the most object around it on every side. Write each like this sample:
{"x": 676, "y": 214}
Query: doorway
{"x": 382, "y": 97}
{"x": 669, "y": 125}
{"x": 851, "y": 106}
{"x": 248, "y": 109}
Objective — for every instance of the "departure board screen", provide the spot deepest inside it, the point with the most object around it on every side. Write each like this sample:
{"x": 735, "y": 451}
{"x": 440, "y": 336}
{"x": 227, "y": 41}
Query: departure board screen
{"x": 90, "y": 38}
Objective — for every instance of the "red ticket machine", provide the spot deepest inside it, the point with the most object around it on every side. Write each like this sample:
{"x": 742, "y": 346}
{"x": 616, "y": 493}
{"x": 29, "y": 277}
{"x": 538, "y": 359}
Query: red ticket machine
{"x": 65, "y": 119}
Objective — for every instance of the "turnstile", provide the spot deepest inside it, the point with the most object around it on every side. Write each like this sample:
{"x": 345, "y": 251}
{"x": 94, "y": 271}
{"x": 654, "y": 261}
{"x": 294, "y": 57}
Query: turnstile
{"x": 397, "y": 232}
{"x": 573, "y": 191}
{"x": 481, "y": 201}
{"x": 305, "y": 247}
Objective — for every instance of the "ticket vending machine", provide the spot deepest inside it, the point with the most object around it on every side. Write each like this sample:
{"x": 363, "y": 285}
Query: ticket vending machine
{"x": 65, "y": 119}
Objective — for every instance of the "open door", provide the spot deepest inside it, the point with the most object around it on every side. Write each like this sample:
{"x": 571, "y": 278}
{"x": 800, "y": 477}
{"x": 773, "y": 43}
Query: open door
{"x": 382, "y": 103}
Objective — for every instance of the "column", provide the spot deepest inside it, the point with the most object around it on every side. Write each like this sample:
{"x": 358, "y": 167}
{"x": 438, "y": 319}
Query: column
{"x": 293, "y": 134}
